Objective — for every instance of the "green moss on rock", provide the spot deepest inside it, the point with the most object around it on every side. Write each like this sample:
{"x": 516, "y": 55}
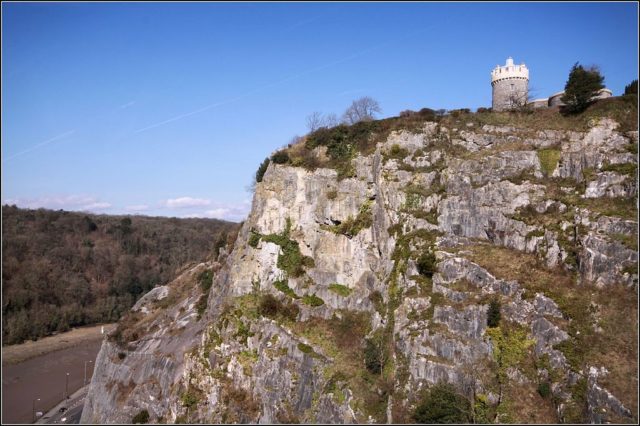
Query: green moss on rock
{"x": 340, "y": 289}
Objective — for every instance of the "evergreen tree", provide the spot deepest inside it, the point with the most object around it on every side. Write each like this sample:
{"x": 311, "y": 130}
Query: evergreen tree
{"x": 631, "y": 88}
{"x": 582, "y": 85}
{"x": 493, "y": 314}
{"x": 262, "y": 169}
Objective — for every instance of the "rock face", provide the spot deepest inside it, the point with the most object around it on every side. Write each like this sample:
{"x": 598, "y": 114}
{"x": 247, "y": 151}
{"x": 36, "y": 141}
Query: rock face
{"x": 342, "y": 299}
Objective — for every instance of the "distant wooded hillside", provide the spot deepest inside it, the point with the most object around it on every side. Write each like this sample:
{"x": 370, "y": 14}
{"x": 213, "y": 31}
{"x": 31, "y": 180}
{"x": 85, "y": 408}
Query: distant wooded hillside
{"x": 64, "y": 269}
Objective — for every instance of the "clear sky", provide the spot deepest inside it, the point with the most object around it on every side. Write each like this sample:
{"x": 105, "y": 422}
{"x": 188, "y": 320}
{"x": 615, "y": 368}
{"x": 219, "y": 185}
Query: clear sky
{"x": 169, "y": 108}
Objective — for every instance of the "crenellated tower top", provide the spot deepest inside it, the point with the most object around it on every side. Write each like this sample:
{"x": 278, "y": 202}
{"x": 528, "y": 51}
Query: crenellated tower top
{"x": 509, "y": 71}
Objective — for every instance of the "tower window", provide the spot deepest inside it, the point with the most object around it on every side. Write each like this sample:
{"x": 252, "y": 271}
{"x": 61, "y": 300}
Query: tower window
{"x": 513, "y": 87}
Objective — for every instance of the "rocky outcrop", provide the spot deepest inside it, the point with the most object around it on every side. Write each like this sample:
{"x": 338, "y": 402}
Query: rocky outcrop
{"x": 342, "y": 299}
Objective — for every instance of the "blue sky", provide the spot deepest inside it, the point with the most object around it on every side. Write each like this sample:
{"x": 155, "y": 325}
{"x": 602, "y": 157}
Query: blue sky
{"x": 168, "y": 108}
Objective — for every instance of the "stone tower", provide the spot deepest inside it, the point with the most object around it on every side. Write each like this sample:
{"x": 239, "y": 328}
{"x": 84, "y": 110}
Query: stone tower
{"x": 510, "y": 84}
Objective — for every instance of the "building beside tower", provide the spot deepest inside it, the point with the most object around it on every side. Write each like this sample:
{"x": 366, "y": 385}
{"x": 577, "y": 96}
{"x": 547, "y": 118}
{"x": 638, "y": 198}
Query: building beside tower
{"x": 510, "y": 89}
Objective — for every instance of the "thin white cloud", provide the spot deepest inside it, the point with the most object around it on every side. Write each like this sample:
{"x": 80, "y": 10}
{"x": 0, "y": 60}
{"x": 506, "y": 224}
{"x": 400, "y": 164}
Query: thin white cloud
{"x": 41, "y": 144}
{"x": 127, "y": 105}
{"x": 186, "y": 202}
{"x": 61, "y": 202}
{"x": 219, "y": 213}
{"x": 279, "y": 82}
{"x": 137, "y": 208}
{"x": 234, "y": 212}
{"x": 97, "y": 206}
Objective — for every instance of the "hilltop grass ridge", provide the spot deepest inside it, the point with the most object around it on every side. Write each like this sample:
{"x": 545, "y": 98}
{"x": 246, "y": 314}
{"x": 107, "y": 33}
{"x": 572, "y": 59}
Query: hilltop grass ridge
{"x": 342, "y": 142}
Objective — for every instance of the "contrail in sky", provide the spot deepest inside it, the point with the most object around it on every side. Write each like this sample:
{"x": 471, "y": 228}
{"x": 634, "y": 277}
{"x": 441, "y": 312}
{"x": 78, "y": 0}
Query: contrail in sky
{"x": 276, "y": 83}
{"x": 48, "y": 141}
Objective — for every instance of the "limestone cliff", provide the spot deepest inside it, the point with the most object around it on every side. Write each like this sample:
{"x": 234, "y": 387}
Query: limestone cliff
{"x": 344, "y": 298}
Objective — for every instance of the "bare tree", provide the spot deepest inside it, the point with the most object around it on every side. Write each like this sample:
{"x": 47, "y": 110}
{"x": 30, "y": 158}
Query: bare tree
{"x": 363, "y": 109}
{"x": 314, "y": 121}
{"x": 520, "y": 101}
{"x": 330, "y": 120}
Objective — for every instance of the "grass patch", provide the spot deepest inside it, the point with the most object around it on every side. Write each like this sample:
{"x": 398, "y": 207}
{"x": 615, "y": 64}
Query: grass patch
{"x": 622, "y": 207}
{"x": 548, "y": 160}
{"x": 290, "y": 259}
{"x": 628, "y": 169}
{"x": 352, "y": 226}
{"x": 395, "y": 152}
{"x": 283, "y": 287}
{"x": 312, "y": 300}
{"x": 618, "y": 109}
{"x": 308, "y": 350}
{"x": 629, "y": 241}
{"x": 340, "y": 289}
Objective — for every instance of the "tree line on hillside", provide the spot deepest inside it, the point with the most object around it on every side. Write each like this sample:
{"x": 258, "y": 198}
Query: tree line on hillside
{"x": 64, "y": 269}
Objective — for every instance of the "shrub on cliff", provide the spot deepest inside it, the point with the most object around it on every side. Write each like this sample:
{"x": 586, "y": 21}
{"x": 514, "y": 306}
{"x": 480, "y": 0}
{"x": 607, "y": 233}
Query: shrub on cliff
{"x": 493, "y": 313}
{"x": 280, "y": 157}
{"x": 141, "y": 417}
{"x": 270, "y": 307}
{"x": 582, "y": 85}
{"x": 261, "y": 170}
{"x": 442, "y": 404}
{"x": 427, "y": 264}
{"x": 375, "y": 353}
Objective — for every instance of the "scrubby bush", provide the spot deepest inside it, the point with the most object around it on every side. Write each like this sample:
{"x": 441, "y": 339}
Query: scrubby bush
{"x": 280, "y": 157}
{"x": 493, "y": 313}
{"x": 270, "y": 307}
{"x": 254, "y": 239}
{"x": 189, "y": 399}
{"x": 442, "y": 404}
{"x": 544, "y": 389}
{"x": 397, "y": 152}
{"x": 141, "y": 417}
{"x": 455, "y": 113}
{"x": 205, "y": 279}
{"x": 482, "y": 110}
{"x": 428, "y": 114}
{"x": 201, "y": 305}
{"x": 426, "y": 264}
{"x": 375, "y": 353}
